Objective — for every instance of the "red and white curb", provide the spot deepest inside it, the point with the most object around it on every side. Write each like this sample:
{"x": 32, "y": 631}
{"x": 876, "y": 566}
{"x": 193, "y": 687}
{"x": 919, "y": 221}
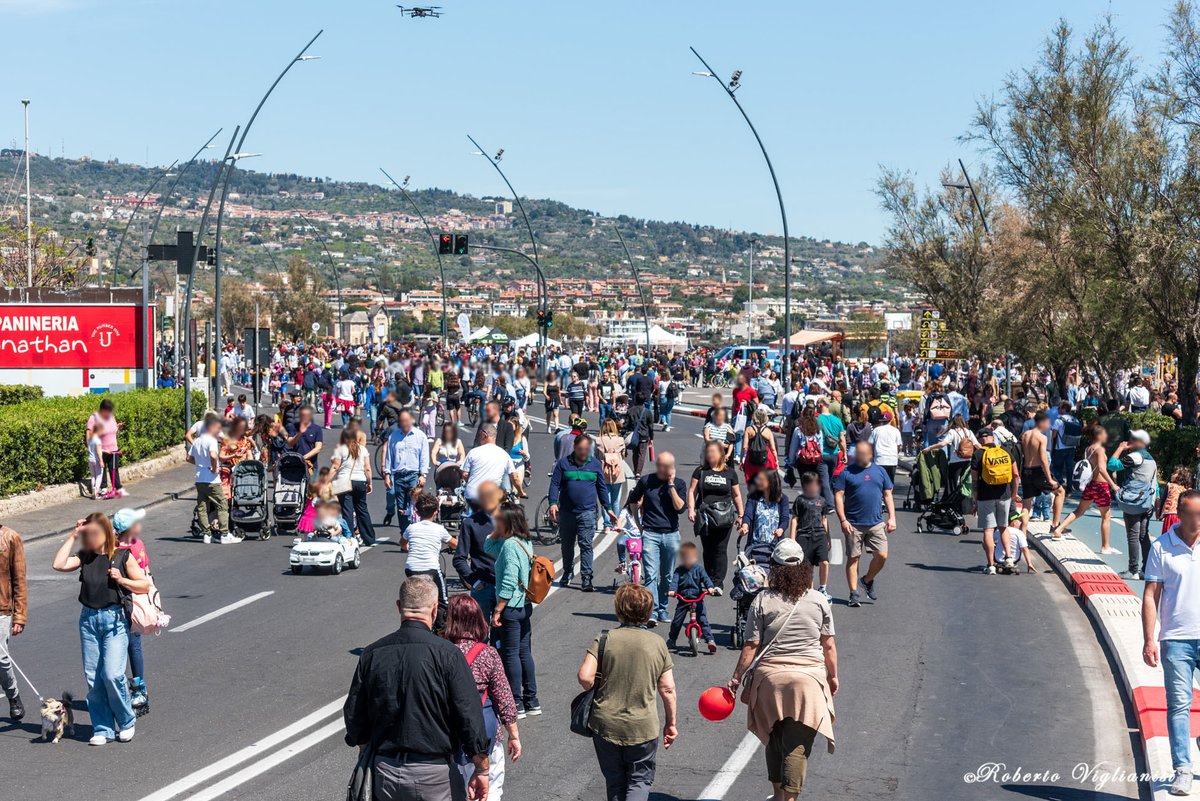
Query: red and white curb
{"x": 1116, "y": 611}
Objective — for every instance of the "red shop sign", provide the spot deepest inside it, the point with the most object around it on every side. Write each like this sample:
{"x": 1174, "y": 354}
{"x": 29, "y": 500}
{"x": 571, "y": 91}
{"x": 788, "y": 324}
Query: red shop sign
{"x": 75, "y": 336}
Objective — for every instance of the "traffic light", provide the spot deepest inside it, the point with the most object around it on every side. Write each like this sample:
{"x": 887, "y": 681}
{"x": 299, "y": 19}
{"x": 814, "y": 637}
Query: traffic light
{"x": 90, "y": 247}
{"x": 212, "y": 258}
{"x": 541, "y": 318}
{"x": 445, "y": 245}
{"x": 460, "y": 245}
{"x": 549, "y": 319}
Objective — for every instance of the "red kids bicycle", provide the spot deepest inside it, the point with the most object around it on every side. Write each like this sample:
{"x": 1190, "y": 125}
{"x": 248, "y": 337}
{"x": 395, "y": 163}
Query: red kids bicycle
{"x": 692, "y": 630}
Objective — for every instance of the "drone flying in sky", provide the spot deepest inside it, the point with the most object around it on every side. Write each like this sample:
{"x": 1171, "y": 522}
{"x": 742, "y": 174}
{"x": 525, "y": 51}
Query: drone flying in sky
{"x": 426, "y": 11}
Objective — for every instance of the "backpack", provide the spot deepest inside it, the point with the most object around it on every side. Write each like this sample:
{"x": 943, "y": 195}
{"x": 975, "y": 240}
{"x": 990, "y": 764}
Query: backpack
{"x": 966, "y": 446}
{"x": 541, "y": 576}
{"x": 937, "y": 407}
{"x": 997, "y": 466}
{"x": 757, "y": 452}
{"x": 1136, "y": 497}
{"x": 1081, "y": 475}
{"x": 143, "y": 609}
{"x": 810, "y": 450}
{"x": 1072, "y": 431}
{"x": 673, "y": 390}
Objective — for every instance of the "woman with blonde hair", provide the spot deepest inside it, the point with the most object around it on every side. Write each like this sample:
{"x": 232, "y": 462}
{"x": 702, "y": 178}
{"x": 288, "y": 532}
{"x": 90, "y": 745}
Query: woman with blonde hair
{"x": 108, "y": 578}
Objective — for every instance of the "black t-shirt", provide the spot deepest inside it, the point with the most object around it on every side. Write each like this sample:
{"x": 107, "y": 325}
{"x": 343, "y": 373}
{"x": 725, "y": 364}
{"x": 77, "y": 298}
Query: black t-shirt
{"x": 658, "y": 509}
{"x": 809, "y": 514}
{"x": 990, "y": 492}
{"x": 713, "y": 485}
{"x": 96, "y": 589}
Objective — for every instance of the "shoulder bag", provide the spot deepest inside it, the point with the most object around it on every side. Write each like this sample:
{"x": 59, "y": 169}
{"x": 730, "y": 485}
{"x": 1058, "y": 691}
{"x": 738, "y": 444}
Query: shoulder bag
{"x": 581, "y": 707}
{"x": 362, "y": 779}
{"x": 713, "y": 516}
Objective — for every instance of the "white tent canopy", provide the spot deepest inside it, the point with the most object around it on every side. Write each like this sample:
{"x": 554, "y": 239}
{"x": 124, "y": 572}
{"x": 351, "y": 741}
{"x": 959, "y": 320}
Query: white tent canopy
{"x": 480, "y": 333}
{"x": 531, "y": 341}
{"x": 661, "y": 336}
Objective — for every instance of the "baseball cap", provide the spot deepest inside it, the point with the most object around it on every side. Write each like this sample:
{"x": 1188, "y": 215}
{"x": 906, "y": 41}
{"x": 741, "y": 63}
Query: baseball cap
{"x": 986, "y": 432}
{"x": 1140, "y": 435}
{"x": 997, "y": 414}
{"x": 126, "y": 518}
{"x": 787, "y": 552}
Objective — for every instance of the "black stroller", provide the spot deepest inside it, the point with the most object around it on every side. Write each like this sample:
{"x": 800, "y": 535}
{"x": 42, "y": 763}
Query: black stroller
{"x": 937, "y": 498}
{"x": 249, "y": 512}
{"x": 447, "y": 479}
{"x": 750, "y": 572}
{"x": 291, "y": 491}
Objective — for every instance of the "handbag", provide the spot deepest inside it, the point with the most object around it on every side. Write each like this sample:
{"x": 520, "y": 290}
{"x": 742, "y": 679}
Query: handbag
{"x": 362, "y": 778}
{"x": 582, "y": 705}
{"x": 341, "y": 483}
{"x": 714, "y": 515}
{"x": 748, "y": 673}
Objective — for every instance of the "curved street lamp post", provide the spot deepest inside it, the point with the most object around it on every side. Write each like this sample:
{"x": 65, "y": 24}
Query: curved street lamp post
{"x": 337, "y": 279}
{"x": 734, "y": 83}
{"x": 637, "y": 278}
{"x": 543, "y": 299}
{"x": 436, "y": 250}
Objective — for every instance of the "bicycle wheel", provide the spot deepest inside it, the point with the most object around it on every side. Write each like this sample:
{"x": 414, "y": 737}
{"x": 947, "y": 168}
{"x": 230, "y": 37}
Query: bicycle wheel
{"x": 379, "y": 453}
{"x": 542, "y": 525}
{"x": 472, "y": 412}
{"x": 694, "y": 639}
{"x": 441, "y": 416}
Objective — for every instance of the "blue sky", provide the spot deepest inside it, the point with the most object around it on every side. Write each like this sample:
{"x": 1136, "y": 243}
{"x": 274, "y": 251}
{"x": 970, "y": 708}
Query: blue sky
{"x": 593, "y": 102}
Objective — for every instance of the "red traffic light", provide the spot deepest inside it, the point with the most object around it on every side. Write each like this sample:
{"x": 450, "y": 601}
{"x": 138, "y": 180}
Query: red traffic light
{"x": 445, "y": 244}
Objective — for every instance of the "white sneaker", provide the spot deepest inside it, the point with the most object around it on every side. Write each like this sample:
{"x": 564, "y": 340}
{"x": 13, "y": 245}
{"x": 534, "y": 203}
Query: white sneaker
{"x": 1182, "y": 783}
{"x": 208, "y": 539}
{"x": 99, "y": 739}
{"x": 991, "y": 570}
{"x": 230, "y": 539}
{"x": 126, "y": 735}
{"x": 1110, "y": 551}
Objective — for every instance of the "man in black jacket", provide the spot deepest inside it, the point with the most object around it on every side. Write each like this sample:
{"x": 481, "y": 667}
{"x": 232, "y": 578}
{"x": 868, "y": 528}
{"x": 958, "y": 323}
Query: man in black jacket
{"x": 414, "y": 700}
{"x": 475, "y": 566}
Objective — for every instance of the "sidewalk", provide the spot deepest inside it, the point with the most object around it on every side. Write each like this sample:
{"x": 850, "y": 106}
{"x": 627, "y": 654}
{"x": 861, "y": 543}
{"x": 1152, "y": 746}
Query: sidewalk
{"x": 1114, "y": 607}
{"x": 59, "y": 518}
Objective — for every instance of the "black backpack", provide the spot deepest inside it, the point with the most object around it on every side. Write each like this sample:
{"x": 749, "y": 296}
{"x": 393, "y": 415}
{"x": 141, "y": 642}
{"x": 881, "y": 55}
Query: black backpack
{"x": 756, "y": 454}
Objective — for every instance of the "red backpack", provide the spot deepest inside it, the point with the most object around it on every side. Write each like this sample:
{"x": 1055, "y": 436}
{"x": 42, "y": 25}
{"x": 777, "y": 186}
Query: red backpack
{"x": 810, "y": 450}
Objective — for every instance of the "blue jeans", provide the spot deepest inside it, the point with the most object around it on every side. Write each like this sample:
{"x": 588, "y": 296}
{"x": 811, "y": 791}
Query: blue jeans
{"x": 516, "y": 652}
{"x": 659, "y": 551}
{"x": 581, "y": 526}
{"x": 398, "y": 494}
{"x": 1180, "y": 658}
{"x": 825, "y": 470}
{"x": 664, "y": 411}
{"x": 485, "y": 596}
{"x": 614, "y": 497}
{"x": 105, "y": 642}
{"x": 1061, "y": 466}
{"x": 137, "y": 664}
{"x": 1041, "y": 505}
{"x": 606, "y": 411}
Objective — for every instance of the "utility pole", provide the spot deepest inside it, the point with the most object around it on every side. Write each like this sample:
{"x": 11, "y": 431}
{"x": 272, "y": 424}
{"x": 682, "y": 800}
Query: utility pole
{"x": 28, "y": 204}
{"x": 750, "y": 300}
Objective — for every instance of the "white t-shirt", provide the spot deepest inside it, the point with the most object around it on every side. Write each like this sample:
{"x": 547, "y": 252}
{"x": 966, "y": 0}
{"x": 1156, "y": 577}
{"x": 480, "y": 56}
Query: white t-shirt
{"x": 345, "y": 390}
{"x": 1177, "y": 568}
{"x": 425, "y": 542}
{"x": 486, "y": 463}
{"x": 887, "y": 441}
{"x": 1016, "y": 544}
{"x": 204, "y": 447}
{"x": 356, "y": 467}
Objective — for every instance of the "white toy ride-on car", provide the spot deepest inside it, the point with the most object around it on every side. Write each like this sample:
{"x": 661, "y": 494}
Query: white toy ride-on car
{"x": 329, "y": 554}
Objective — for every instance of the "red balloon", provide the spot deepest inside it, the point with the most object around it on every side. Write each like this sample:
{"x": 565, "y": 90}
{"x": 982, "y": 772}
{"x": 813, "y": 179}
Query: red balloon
{"x": 716, "y": 703}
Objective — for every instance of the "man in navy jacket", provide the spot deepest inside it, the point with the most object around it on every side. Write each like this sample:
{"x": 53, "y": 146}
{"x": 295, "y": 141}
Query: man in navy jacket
{"x": 577, "y": 491}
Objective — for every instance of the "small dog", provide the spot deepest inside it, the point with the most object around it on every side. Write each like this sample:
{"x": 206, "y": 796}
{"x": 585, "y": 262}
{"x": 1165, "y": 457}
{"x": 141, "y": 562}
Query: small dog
{"x": 57, "y": 718}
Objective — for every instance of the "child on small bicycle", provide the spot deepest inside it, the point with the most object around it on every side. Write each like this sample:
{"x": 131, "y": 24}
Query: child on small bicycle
{"x": 688, "y": 584}
{"x": 627, "y": 525}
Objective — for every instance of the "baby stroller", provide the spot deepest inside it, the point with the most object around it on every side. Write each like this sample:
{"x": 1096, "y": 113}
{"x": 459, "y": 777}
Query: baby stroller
{"x": 942, "y": 513}
{"x": 750, "y": 572}
{"x": 249, "y": 512}
{"x": 291, "y": 490}
{"x": 447, "y": 479}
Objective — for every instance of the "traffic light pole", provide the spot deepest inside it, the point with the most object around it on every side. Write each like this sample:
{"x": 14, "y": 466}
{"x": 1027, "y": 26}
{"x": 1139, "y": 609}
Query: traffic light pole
{"x": 436, "y": 251}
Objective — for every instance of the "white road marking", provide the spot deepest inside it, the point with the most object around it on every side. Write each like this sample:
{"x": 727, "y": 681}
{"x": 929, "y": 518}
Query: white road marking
{"x": 729, "y": 772}
{"x": 224, "y": 610}
{"x": 268, "y": 762}
{"x": 251, "y": 751}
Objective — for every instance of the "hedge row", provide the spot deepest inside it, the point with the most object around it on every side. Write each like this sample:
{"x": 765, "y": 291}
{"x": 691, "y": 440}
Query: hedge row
{"x": 18, "y": 393}
{"x": 43, "y": 441}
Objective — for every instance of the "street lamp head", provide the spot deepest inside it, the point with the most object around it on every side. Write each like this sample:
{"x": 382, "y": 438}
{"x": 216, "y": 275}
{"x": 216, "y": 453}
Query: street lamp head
{"x": 239, "y": 156}
{"x": 955, "y": 185}
{"x": 308, "y": 58}
{"x": 704, "y": 74}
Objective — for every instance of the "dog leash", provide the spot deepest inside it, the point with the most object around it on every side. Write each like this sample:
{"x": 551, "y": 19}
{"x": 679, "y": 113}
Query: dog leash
{"x": 40, "y": 697}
